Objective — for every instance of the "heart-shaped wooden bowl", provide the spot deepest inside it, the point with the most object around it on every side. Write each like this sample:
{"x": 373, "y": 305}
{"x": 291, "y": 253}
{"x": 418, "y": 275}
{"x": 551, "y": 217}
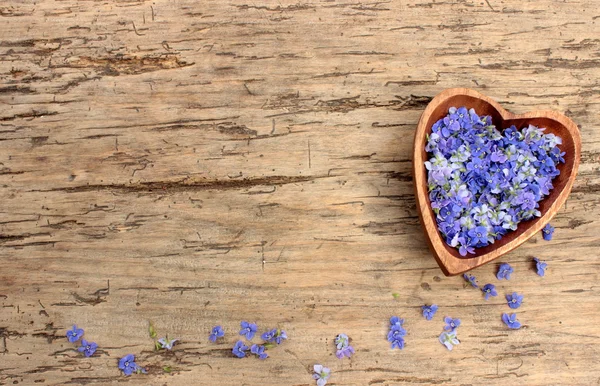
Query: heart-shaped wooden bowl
{"x": 447, "y": 257}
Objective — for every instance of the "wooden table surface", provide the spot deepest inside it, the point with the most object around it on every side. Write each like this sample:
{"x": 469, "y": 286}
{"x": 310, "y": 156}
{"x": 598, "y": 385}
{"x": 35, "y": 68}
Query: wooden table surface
{"x": 195, "y": 163}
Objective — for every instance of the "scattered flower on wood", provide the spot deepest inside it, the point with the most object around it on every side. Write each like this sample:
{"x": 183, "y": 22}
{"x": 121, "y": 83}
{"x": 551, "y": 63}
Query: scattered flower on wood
{"x": 471, "y": 280}
{"x": 511, "y": 321}
{"x": 259, "y": 350}
{"x": 514, "y": 300}
{"x": 239, "y": 349}
{"x": 504, "y": 271}
{"x": 489, "y": 290}
{"x": 342, "y": 344}
{"x": 128, "y": 366}
{"x": 547, "y": 232}
{"x": 449, "y": 339}
{"x": 74, "y": 334}
{"x": 540, "y": 266}
{"x": 396, "y": 333}
{"x": 87, "y": 348}
{"x": 451, "y": 324}
{"x": 429, "y": 311}
{"x": 166, "y": 343}
{"x": 248, "y": 329}
{"x": 321, "y": 375}
{"x": 216, "y": 332}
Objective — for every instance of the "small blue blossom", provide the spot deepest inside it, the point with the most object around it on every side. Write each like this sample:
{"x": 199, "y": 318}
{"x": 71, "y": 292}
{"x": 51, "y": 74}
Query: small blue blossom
{"x": 514, "y": 300}
{"x": 248, "y": 329}
{"x": 396, "y": 338}
{"x": 74, "y": 334}
{"x": 511, "y": 321}
{"x": 489, "y": 290}
{"x": 259, "y": 350}
{"x": 87, "y": 348}
{"x": 274, "y": 335}
{"x": 344, "y": 352}
{"x": 341, "y": 341}
{"x": 471, "y": 280}
{"x": 449, "y": 339}
{"x": 504, "y": 271}
{"x": 166, "y": 343}
{"x": 451, "y": 324}
{"x": 540, "y": 266}
{"x": 321, "y": 375}
{"x": 128, "y": 365}
{"x": 239, "y": 349}
{"x": 429, "y": 311}
{"x": 396, "y": 321}
{"x": 547, "y": 232}
{"x": 217, "y": 332}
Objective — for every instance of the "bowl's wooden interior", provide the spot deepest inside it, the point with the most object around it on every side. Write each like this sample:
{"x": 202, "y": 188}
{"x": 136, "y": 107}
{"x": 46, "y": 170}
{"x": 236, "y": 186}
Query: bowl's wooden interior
{"x": 483, "y": 107}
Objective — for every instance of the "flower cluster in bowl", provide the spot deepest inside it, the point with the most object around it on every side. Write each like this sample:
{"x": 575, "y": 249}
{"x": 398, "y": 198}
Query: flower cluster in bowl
{"x": 482, "y": 181}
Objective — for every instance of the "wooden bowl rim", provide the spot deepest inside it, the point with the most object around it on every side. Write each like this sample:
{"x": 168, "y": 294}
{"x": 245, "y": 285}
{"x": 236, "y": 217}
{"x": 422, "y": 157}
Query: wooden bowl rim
{"x": 450, "y": 264}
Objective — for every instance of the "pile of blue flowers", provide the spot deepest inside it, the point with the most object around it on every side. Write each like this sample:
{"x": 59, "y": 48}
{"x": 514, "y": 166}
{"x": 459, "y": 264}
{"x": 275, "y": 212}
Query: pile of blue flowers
{"x": 482, "y": 182}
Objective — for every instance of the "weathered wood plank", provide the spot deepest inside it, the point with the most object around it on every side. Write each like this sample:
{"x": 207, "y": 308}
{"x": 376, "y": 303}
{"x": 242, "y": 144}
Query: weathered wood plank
{"x": 200, "y": 163}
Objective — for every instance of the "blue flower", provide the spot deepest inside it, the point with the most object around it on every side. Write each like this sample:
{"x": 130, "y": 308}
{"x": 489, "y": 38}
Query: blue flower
{"x": 259, "y": 350}
{"x": 217, "y": 332}
{"x": 396, "y": 337}
{"x": 451, "y": 324}
{"x": 547, "y": 232}
{"x": 511, "y": 321}
{"x": 449, "y": 339}
{"x": 429, "y": 311}
{"x": 489, "y": 290}
{"x": 504, "y": 271}
{"x": 321, "y": 375}
{"x": 239, "y": 349}
{"x": 514, "y": 300}
{"x": 166, "y": 344}
{"x": 74, "y": 334}
{"x": 128, "y": 365}
{"x": 344, "y": 352}
{"x": 248, "y": 329}
{"x": 274, "y": 335}
{"x": 396, "y": 321}
{"x": 87, "y": 348}
{"x": 471, "y": 280}
{"x": 540, "y": 266}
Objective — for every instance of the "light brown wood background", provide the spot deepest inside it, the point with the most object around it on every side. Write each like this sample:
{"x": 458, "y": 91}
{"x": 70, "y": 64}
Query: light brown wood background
{"x": 197, "y": 163}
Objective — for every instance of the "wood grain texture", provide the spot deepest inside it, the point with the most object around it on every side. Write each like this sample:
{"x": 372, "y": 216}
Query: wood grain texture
{"x": 552, "y": 122}
{"x": 197, "y": 163}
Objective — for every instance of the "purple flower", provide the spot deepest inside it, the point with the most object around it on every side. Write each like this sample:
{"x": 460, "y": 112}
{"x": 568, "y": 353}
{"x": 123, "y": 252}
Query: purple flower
{"x": 449, "y": 339}
{"x": 471, "y": 280}
{"x": 239, "y": 349}
{"x": 396, "y": 337}
{"x": 478, "y": 235}
{"x": 274, "y": 335}
{"x": 451, "y": 324}
{"x": 344, "y": 352}
{"x": 489, "y": 290}
{"x": 87, "y": 348}
{"x": 396, "y": 321}
{"x": 128, "y": 365}
{"x": 429, "y": 311}
{"x": 321, "y": 375}
{"x": 342, "y": 343}
{"x": 511, "y": 321}
{"x": 504, "y": 271}
{"x": 217, "y": 332}
{"x": 547, "y": 232}
{"x": 74, "y": 334}
{"x": 259, "y": 350}
{"x": 166, "y": 344}
{"x": 248, "y": 329}
{"x": 514, "y": 300}
{"x": 540, "y": 266}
